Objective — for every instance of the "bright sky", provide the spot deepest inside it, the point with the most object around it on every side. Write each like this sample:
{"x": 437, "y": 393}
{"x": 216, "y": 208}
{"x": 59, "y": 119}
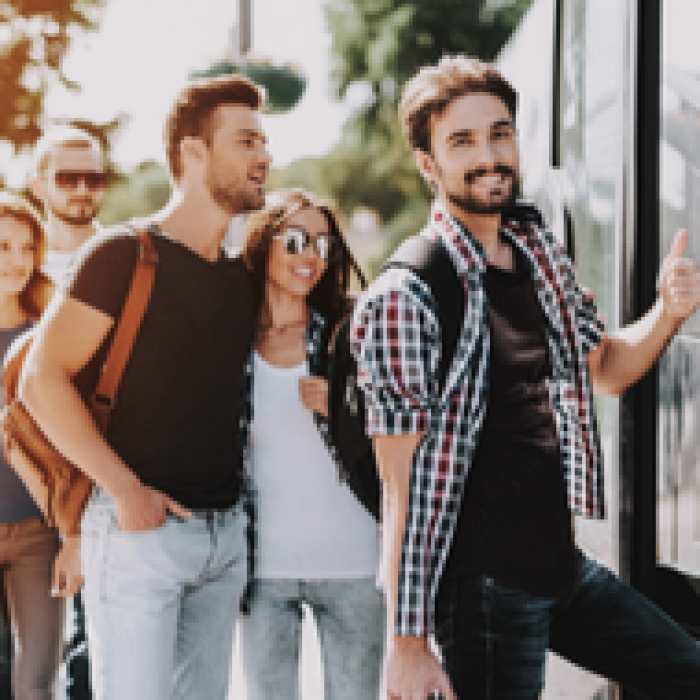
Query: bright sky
{"x": 144, "y": 49}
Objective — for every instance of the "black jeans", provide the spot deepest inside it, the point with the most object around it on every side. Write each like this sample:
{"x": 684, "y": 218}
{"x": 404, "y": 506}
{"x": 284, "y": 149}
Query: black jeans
{"x": 6, "y": 655}
{"x": 494, "y": 639}
{"x": 76, "y": 654}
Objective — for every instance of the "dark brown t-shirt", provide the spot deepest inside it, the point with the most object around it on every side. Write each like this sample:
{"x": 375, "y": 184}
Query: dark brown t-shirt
{"x": 515, "y": 524}
{"x": 176, "y": 419}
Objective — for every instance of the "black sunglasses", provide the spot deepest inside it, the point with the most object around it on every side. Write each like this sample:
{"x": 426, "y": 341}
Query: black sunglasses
{"x": 70, "y": 179}
{"x": 296, "y": 241}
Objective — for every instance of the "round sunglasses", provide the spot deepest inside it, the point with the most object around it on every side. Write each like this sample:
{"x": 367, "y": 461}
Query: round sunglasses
{"x": 296, "y": 240}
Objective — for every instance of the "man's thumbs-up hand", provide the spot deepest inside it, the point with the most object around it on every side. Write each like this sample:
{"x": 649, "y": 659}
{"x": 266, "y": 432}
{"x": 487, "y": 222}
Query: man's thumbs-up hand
{"x": 679, "y": 281}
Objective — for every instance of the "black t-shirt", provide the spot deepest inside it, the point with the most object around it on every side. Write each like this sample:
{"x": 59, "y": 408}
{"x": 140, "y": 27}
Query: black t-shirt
{"x": 176, "y": 419}
{"x": 515, "y": 524}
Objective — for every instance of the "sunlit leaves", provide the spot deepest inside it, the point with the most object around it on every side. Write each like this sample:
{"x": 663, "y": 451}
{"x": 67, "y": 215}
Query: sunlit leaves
{"x": 34, "y": 38}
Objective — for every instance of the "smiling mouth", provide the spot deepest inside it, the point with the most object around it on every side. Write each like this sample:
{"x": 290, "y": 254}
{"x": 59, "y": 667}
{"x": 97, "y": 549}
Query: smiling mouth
{"x": 489, "y": 181}
{"x": 499, "y": 175}
{"x": 305, "y": 272}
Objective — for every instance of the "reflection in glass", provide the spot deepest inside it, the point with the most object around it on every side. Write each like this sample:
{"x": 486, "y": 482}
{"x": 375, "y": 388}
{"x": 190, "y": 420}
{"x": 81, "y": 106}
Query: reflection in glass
{"x": 679, "y": 371}
{"x": 591, "y": 156}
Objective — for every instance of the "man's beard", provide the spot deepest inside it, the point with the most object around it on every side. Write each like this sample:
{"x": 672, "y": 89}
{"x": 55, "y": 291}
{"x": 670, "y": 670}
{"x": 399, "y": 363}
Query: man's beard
{"x": 231, "y": 198}
{"x": 74, "y": 220}
{"x": 473, "y": 205}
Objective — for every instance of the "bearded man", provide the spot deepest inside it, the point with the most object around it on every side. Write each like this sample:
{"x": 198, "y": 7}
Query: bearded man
{"x": 481, "y": 473}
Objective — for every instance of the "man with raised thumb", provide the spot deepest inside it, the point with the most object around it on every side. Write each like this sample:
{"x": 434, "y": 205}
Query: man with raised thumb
{"x": 483, "y": 468}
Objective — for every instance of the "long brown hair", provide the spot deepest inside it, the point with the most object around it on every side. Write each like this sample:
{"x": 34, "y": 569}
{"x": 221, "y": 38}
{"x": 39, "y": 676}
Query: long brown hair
{"x": 36, "y": 294}
{"x": 331, "y": 296}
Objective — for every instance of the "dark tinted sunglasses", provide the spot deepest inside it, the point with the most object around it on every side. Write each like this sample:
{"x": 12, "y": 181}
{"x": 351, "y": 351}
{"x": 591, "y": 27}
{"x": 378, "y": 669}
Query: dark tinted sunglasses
{"x": 296, "y": 241}
{"x": 70, "y": 179}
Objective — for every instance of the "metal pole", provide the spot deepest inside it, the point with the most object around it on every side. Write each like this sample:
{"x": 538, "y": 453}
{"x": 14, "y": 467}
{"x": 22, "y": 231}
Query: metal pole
{"x": 245, "y": 25}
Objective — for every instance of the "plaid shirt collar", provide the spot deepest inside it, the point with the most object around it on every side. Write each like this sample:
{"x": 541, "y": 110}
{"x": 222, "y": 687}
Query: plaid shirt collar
{"x": 470, "y": 259}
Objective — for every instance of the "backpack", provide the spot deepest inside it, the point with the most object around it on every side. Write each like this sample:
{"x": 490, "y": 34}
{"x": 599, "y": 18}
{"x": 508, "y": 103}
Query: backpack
{"x": 430, "y": 262}
{"x": 57, "y": 486}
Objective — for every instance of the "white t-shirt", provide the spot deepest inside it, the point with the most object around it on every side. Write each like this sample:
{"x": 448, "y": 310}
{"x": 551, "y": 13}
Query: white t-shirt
{"x": 58, "y": 264}
{"x": 310, "y": 526}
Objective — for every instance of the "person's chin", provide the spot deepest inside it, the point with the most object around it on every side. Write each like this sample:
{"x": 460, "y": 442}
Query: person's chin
{"x": 12, "y": 287}
{"x": 495, "y": 202}
{"x": 298, "y": 287}
{"x": 252, "y": 202}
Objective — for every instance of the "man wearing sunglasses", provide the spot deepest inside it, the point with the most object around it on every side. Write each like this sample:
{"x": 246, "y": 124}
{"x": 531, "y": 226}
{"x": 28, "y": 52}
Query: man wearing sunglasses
{"x": 69, "y": 180}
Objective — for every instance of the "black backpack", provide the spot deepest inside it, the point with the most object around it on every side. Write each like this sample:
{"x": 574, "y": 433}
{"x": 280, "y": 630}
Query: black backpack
{"x": 431, "y": 262}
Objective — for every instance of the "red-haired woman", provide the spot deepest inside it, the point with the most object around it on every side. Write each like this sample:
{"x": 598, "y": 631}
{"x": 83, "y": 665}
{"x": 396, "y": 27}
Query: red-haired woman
{"x": 28, "y": 547}
{"x": 316, "y": 545}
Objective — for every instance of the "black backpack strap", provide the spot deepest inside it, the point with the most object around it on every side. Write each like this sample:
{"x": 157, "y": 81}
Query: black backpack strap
{"x": 430, "y": 261}
{"x": 524, "y": 211}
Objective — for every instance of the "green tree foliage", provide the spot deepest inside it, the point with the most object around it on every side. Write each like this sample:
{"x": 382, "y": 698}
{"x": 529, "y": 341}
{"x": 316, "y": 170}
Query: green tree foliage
{"x": 137, "y": 194}
{"x": 378, "y": 45}
{"x": 34, "y": 38}
{"x": 383, "y": 42}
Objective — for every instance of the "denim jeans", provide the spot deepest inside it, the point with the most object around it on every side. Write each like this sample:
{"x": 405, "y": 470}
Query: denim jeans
{"x": 494, "y": 639}
{"x": 350, "y": 618}
{"x": 76, "y": 657}
{"x": 161, "y": 605}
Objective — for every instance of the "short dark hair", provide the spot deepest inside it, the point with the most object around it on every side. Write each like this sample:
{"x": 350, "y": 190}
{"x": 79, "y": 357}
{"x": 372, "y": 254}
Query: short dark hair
{"x": 191, "y": 114}
{"x": 433, "y": 88}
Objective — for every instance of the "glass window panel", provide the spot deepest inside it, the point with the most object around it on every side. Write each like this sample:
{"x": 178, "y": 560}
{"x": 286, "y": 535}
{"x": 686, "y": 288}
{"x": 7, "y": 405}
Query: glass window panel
{"x": 679, "y": 377}
{"x": 591, "y": 156}
{"x": 590, "y": 139}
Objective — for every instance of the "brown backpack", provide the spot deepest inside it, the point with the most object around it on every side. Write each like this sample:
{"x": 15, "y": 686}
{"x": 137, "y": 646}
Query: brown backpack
{"x": 59, "y": 488}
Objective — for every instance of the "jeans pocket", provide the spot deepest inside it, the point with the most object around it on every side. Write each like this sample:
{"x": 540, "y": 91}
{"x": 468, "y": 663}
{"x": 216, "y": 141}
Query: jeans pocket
{"x": 93, "y": 542}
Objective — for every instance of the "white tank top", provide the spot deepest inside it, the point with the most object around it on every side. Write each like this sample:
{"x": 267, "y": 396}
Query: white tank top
{"x": 310, "y": 526}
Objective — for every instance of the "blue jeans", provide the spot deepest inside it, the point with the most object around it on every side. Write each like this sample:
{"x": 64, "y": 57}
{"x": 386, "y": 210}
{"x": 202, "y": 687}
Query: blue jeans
{"x": 350, "y": 618}
{"x": 161, "y": 605}
{"x": 494, "y": 639}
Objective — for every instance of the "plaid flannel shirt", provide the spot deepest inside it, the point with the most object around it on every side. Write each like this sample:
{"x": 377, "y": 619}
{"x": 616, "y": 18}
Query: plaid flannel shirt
{"x": 395, "y": 339}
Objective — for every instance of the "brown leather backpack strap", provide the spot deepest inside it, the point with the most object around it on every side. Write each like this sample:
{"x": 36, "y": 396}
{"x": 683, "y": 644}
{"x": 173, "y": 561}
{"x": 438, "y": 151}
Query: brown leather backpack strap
{"x": 126, "y": 331}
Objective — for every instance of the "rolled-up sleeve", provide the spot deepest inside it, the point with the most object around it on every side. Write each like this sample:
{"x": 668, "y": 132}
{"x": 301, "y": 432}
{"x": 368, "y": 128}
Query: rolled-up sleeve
{"x": 590, "y": 323}
{"x": 396, "y": 344}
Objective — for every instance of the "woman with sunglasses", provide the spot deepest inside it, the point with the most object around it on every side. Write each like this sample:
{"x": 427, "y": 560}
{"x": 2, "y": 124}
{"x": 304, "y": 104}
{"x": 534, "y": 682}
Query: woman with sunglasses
{"x": 316, "y": 545}
{"x": 28, "y": 547}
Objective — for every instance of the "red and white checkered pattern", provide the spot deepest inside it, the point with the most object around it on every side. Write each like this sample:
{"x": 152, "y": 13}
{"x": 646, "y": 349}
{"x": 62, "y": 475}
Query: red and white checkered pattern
{"x": 396, "y": 341}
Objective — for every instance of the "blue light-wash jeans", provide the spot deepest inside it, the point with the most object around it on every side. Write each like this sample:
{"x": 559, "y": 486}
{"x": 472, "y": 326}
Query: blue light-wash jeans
{"x": 350, "y": 618}
{"x": 494, "y": 639}
{"x": 161, "y": 605}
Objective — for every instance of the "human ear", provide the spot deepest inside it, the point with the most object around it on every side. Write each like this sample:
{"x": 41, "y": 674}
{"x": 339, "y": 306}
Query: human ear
{"x": 427, "y": 166}
{"x": 192, "y": 149}
{"x": 39, "y": 186}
